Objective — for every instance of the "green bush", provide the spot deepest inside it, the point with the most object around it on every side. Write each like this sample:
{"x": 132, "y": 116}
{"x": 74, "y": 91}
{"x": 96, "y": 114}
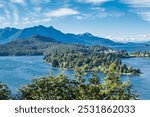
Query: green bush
{"x": 5, "y": 93}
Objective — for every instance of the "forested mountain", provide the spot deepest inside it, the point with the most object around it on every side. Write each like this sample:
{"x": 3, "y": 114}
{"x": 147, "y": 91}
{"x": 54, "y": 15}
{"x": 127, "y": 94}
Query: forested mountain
{"x": 39, "y": 45}
{"x": 10, "y": 34}
{"x": 44, "y": 31}
{"x": 34, "y": 45}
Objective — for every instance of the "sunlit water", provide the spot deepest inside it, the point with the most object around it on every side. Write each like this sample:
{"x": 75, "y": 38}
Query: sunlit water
{"x": 17, "y": 71}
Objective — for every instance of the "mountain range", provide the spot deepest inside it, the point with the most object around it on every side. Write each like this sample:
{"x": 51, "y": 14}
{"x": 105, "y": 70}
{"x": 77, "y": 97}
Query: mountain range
{"x": 10, "y": 34}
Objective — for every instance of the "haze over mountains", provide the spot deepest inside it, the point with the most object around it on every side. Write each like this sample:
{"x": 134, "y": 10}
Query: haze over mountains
{"x": 10, "y": 34}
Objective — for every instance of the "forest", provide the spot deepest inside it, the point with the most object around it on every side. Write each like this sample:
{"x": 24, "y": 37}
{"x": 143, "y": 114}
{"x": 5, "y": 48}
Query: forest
{"x": 93, "y": 57}
{"x": 32, "y": 46}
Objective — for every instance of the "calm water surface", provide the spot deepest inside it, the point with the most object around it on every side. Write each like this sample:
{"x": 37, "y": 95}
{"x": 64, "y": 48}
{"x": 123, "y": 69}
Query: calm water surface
{"x": 142, "y": 82}
{"x": 17, "y": 71}
{"x": 132, "y": 48}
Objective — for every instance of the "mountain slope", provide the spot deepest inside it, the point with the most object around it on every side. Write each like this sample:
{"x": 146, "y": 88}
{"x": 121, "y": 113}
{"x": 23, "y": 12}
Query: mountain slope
{"x": 6, "y": 33}
{"x": 93, "y": 40}
{"x": 86, "y": 38}
{"x": 41, "y": 45}
{"x": 10, "y": 34}
{"x": 44, "y": 31}
{"x": 34, "y": 45}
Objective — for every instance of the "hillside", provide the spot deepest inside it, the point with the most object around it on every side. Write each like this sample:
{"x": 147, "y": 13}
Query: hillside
{"x": 6, "y": 33}
{"x": 34, "y": 45}
{"x": 10, "y": 34}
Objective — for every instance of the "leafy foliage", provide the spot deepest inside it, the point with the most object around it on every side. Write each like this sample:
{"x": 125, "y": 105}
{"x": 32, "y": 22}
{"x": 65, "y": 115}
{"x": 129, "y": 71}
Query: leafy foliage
{"x": 4, "y": 92}
{"x": 49, "y": 88}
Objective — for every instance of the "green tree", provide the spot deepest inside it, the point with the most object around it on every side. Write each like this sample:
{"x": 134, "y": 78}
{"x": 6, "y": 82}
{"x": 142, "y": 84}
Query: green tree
{"x": 114, "y": 89}
{"x": 5, "y": 92}
{"x": 95, "y": 79}
{"x": 55, "y": 63}
{"x": 49, "y": 88}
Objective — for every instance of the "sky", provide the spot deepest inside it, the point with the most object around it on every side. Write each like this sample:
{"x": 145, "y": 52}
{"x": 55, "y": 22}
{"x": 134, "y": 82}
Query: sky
{"x": 118, "y": 20}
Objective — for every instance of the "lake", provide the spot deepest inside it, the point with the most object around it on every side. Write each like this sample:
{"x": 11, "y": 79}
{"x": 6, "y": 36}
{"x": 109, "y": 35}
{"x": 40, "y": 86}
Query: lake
{"x": 17, "y": 71}
{"x": 131, "y": 48}
{"x": 142, "y": 82}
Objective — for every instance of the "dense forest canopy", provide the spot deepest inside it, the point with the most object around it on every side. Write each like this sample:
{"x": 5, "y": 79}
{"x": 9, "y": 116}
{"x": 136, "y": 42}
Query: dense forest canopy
{"x": 35, "y": 45}
{"x": 94, "y": 57}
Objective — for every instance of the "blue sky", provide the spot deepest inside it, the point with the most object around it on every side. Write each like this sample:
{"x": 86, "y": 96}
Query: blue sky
{"x": 119, "y": 20}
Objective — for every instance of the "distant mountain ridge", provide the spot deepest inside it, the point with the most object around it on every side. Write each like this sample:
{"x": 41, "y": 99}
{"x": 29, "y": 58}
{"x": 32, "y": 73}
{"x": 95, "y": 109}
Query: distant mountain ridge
{"x": 6, "y": 33}
{"x": 93, "y": 40}
{"x": 10, "y": 34}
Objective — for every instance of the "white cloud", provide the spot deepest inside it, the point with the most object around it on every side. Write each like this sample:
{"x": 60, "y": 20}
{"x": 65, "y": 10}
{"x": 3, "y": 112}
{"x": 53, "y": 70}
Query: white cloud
{"x": 145, "y": 15}
{"x": 2, "y": 18}
{"x": 103, "y": 12}
{"x": 22, "y": 2}
{"x": 138, "y": 3}
{"x": 37, "y": 2}
{"x": 7, "y": 14}
{"x": 83, "y": 16}
{"x": 130, "y": 38}
{"x": 94, "y": 1}
{"x": 142, "y": 7}
{"x": 98, "y": 9}
{"x": 62, "y": 12}
{"x": 80, "y": 17}
{"x": 37, "y": 9}
{"x": 1, "y": 5}
{"x": 99, "y": 12}
{"x": 16, "y": 16}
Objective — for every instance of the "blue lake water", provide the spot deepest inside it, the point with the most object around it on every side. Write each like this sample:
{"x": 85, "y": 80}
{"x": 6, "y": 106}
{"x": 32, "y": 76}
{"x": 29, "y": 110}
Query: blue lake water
{"x": 132, "y": 48}
{"x": 142, "y": 82}
{"x": 17, "y": 71}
